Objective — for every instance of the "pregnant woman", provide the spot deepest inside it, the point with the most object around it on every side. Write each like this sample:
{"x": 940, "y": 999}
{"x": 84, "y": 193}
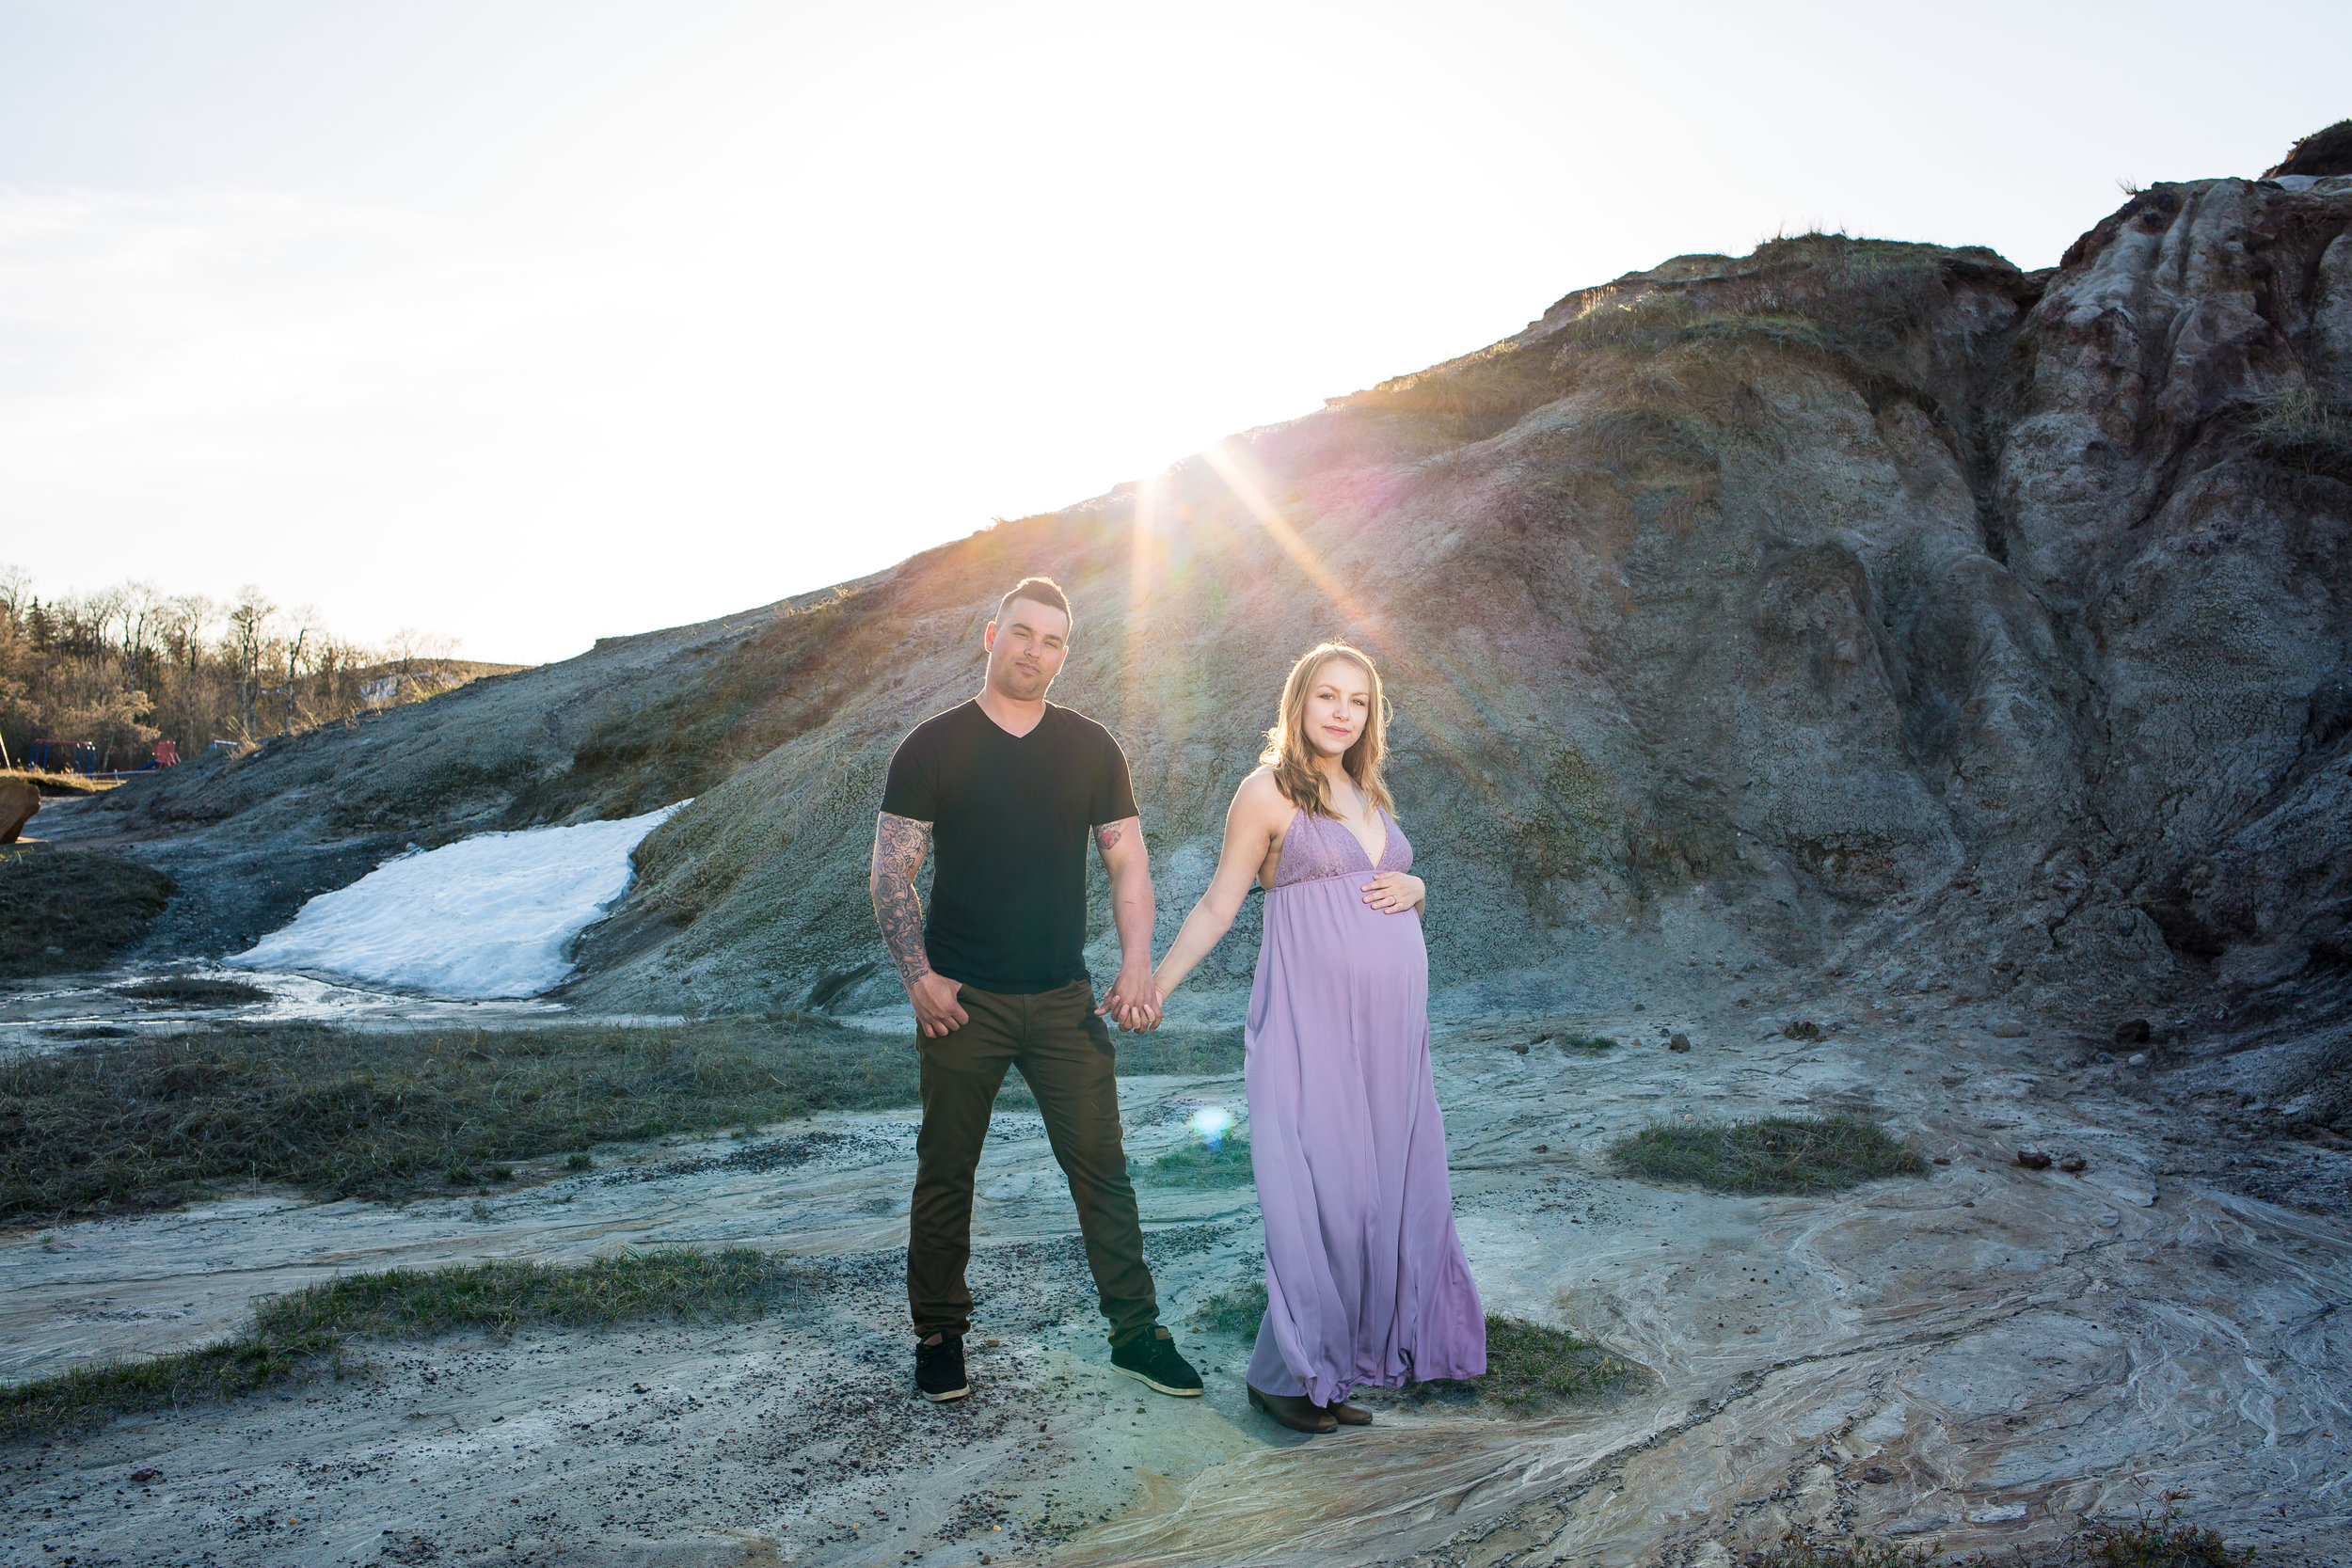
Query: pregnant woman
{"x": 1365, "y": 1279}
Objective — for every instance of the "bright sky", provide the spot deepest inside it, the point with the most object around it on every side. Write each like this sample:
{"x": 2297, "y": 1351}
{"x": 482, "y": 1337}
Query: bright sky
{"x": 539, "y": 321}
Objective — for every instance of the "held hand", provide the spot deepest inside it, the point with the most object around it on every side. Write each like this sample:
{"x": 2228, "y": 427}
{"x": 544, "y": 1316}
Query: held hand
{"x": 1133, "y": 1002}
{"x": 1394, "y": 891}
{"x": 937, "y": 1010}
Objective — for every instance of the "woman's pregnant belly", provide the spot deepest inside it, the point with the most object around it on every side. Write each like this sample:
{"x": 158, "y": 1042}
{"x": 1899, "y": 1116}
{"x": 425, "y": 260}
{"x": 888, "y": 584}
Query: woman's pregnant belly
{"x": 1324, "y": 927}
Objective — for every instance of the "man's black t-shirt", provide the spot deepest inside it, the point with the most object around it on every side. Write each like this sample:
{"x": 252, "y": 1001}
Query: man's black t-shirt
{"x": 1009, "y": 817}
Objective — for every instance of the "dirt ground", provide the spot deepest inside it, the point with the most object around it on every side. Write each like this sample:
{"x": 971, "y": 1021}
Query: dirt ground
{"x": 1985, "y": 1357}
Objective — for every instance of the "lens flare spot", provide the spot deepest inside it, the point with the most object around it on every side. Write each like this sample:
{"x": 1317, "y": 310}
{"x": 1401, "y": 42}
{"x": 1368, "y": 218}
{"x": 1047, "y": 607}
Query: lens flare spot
{"x": 1210, "y": 1123}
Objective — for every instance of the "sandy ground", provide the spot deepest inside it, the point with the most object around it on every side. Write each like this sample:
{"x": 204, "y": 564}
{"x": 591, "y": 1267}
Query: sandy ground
{"x": 1985, "y": 1357}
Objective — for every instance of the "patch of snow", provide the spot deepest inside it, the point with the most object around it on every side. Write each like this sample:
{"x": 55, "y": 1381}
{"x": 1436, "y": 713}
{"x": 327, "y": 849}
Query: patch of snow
{"x": 487, "y": 916}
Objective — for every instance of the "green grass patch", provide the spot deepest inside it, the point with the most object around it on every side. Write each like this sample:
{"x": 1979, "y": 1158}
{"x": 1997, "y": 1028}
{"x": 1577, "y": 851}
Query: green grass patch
{"x": 1573, "y": 1044}
{"x": 151, "y": 1122}
{"x": 1856, "y": 1553}
{"x": 1195, "y": 1163}
{"x": 1772, "y": 1154}
{"x": 1235, "y": 1311}
{"x": 308, "y": 1332}
{"x": 1191, "y": 1053}
{"x": 2161, "y": 1542}
{"x": 1780, "y": 330}
{"x": 1529, "y": 1367}
{"x": 189, "y": 991}
{"x": 66, "y": 910}
{"x": 2165, "y": 1543}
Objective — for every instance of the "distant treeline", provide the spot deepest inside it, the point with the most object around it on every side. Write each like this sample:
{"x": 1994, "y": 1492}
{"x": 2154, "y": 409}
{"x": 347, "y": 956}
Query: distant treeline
{"x": 128, "y": 666}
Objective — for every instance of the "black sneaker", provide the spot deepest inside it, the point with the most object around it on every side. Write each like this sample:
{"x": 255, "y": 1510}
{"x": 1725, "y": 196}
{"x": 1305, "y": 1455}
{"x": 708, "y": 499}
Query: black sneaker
{"x": 939, "y": 1368}
{"x": 1152, "y": 1360}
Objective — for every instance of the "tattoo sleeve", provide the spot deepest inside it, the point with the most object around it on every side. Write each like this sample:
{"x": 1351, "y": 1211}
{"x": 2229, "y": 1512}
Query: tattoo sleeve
{"x": 899, "y": 846}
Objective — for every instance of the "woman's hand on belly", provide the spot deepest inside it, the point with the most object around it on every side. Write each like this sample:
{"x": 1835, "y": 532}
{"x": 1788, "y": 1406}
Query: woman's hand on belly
{"x": 1396, "y": 892}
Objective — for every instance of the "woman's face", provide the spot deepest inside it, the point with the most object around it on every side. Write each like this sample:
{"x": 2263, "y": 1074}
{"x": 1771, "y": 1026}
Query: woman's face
{"x": 1338, "y": 705}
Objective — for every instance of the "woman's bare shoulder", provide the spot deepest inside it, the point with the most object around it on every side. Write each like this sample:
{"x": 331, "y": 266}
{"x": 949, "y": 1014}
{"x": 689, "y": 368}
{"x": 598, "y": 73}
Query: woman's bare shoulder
{"x": 1260, "y": 796}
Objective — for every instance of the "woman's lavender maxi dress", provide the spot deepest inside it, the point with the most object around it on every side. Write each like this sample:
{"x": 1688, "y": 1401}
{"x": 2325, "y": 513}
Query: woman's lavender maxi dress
{"x": 1365, "y": 1278}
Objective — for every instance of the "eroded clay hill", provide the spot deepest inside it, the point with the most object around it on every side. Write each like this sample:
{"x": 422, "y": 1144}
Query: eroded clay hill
{"x": 1849, "y": 608}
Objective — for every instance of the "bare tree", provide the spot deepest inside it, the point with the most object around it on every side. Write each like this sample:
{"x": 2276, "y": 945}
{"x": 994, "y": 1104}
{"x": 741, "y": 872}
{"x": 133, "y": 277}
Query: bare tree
{"x": 422, "y": 657}
{"x": 137, "y": 607}
{"x": 181, "y": 623}
{"x": 248, "y": 619}
{"x": 16, "y": 589}
{"x": 306, "y": 619}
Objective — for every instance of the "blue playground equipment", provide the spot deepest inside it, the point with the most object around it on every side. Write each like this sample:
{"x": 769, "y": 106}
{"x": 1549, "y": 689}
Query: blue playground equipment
{"x": 64, "y": 756}
{"x": 81, "y": 756}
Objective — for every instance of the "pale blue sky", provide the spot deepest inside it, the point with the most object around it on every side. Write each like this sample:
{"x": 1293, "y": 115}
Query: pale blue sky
{"x": 535, "y": 323}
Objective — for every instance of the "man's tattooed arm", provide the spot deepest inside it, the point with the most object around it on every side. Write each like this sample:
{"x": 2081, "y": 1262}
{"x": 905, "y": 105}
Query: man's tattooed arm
{"x": 899, "y": 846}
{"x": 1108, "y": 835}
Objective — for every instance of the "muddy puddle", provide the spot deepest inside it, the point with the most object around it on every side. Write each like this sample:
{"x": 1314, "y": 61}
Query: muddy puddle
{"x": 1984, "y": 1356}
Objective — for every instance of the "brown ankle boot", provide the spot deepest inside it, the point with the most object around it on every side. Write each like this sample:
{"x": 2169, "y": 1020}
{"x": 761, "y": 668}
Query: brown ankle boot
{"x": 1349, "y": 1414}
{"x": 1293, "y": 1411}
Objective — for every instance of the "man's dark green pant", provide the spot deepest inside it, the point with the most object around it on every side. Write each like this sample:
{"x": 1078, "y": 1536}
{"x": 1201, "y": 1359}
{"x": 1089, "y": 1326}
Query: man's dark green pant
{"x": 1065, "y": 1055}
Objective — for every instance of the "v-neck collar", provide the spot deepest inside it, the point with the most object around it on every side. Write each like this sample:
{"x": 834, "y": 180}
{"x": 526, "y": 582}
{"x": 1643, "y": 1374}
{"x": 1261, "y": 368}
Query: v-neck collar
{"x": 990, "y": 718}
{"x": 1379, "y": 815}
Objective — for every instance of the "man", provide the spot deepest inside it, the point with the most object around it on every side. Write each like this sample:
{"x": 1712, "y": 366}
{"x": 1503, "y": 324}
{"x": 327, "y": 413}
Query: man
{"x": 1008, "y": 784}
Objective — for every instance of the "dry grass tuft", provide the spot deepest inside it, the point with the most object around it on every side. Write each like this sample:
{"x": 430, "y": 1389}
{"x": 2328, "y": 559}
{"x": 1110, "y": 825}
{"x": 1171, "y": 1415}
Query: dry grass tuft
{"x": 59, "y": 783}
{"x": 2304, "y": 432}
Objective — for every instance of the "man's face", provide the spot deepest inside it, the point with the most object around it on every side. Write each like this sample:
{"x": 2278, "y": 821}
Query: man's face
{"x": 1025, "y": 650}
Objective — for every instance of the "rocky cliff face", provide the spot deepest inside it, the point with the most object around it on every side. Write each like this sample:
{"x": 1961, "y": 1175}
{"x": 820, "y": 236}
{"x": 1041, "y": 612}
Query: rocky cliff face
{"x": 1869, "y": 613}
{"x": 1852, "y": 605}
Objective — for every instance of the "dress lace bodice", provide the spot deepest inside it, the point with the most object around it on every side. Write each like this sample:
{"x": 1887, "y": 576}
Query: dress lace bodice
{"x": 1318, "y": 846}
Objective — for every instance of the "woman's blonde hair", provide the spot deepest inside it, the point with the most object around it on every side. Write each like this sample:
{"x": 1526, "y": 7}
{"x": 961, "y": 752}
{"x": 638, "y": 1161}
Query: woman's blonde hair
{"x": 1293, "y": 757}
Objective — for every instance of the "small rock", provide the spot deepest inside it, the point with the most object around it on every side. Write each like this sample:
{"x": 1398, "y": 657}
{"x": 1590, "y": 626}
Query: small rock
{"x": 2109, "y": 1218}
{"x": 2073, "y": 1165}
{"x": 1543, "y": 1148}
{"x": 1639, "y": 1008}
{"x": 1522, "y": 1047}
{"x": 2137, "y": 1058}
{"x": 1967, "y": 1203}
{"x": 2033, "y": 1159}
{"x": 140, "y": 1477}
{"x": 1878, "y": 1475}
{"x": 1800, "y": 1029}
{"x": 1943, "y": 1159}
{"x": 992, "y": 1343}
{"x": 1678, "y": 1041}
{"x": 2132, "y": 1031}
{"x": 2011, "y": 1030}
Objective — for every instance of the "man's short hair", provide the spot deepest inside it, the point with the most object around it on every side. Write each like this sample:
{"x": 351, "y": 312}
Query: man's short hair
{"x": 1045, "y": 591}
